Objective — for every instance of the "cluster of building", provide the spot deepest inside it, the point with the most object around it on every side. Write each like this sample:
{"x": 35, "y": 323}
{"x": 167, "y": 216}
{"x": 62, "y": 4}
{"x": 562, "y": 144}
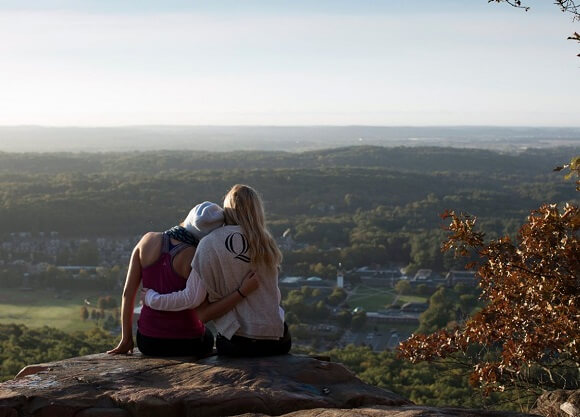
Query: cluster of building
{"x": 388, "y": 277}
{"x": 33, "y": 253}
{"x": 385, "y": 277}
{"x": 25, "y": 255}
{"x": 51, "y": 248}
{"x": 392, "y": 324}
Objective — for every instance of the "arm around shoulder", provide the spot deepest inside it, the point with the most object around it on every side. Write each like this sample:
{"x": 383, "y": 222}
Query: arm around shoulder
{"x": 190, "y": 297}
{"x": 210, "y": 311}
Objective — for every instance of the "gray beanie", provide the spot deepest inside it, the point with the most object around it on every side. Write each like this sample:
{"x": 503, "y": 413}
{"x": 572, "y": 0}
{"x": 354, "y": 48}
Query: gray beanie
{"x": 204, "y": 218}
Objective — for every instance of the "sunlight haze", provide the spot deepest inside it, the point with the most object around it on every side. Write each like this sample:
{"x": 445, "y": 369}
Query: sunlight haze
{"x": 87, "y": 63}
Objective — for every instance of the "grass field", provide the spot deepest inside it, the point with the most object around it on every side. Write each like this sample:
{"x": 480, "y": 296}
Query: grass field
{"x": 371, "y": 299}
{"x": 39, "y": 308}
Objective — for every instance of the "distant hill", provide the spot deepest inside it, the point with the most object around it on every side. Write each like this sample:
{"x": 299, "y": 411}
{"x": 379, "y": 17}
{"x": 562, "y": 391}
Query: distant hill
{"x": 271, "y": 138}
{"x": 426, "y": 160}
{"x": 398, "y": 189}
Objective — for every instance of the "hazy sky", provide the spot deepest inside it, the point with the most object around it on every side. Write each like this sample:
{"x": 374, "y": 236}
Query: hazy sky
{"x": 292, "y": 62}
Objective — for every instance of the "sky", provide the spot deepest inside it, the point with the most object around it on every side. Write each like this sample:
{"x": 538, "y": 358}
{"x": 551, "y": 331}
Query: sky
{"x": 292, "y": 62}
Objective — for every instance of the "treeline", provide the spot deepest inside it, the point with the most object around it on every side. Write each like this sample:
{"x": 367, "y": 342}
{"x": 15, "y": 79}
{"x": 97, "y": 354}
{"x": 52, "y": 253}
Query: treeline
{"x": 416, "y": 159}
{"x": 358, "y": 204}
{"x": 442, "y": 384}
{"x": 21, "y": 346}
{"x": 83, "y": 204}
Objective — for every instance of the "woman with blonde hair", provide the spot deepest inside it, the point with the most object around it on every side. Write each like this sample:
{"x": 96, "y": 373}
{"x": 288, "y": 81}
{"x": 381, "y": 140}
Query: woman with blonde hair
{"x": 255, "y": 326}
{"x": 163, "y": 261}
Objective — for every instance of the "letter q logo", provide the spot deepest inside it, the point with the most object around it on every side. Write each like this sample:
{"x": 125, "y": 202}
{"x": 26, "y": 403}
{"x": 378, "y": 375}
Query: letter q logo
{"x": 237, "y": 244}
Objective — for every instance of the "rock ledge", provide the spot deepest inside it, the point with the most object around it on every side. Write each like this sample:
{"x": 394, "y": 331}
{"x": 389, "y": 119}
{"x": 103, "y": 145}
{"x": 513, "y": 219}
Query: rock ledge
{"x": 122, "y": 386}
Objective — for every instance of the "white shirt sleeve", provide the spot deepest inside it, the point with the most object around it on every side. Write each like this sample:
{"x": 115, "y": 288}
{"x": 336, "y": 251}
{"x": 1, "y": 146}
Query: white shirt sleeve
{"x": 193, "y": 295}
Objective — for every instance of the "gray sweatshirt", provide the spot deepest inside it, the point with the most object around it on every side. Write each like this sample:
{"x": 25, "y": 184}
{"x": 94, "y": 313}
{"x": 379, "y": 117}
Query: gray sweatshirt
{"x": 221, "y": 261}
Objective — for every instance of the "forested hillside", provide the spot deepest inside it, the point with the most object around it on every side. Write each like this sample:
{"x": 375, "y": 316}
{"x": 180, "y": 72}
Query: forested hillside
{"x": 373, "y": 204}
{"x": 415, "y": 159}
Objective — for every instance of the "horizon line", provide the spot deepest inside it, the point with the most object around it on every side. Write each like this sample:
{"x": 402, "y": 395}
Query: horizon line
{"x": 515, "y": 126}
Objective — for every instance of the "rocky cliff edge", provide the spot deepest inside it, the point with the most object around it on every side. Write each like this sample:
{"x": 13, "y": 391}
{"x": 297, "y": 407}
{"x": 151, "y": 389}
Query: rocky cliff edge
{"x": 122, "y": 386}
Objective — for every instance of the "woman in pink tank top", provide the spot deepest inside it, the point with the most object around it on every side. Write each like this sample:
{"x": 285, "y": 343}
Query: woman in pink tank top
{"x": 162, "y": 261}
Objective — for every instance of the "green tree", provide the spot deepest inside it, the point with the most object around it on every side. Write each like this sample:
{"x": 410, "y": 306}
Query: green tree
{"x": 467, "y": 302}
{"x": 358, "y": 321}
{"x": 106, "y": 302}
{"x": 324, "y": 271}
{"x": 344, "y": 318}
{"x": 440, "y": 312}
{"x": 403, "y": 287}
{"x": 291, "y": 318}
{"x": 306, "y": 291}
{"x": 21, "y": 346}
{"x": 337, "y": 296}
{"x": 430, "y": 384}
{"x": 84, "y": 313}
{"x": 110, "y": 323}
{"x": 320, "y": 311}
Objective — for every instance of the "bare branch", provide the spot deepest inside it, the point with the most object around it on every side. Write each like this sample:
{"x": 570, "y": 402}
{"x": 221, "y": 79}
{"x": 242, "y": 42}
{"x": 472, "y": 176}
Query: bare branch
{"x": 566, "y": 6}
{"x": 569, "y": 6}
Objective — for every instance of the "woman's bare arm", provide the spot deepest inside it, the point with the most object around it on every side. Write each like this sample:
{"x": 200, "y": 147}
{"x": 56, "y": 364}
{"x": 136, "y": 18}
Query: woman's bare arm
{"x": 132, "y": 283}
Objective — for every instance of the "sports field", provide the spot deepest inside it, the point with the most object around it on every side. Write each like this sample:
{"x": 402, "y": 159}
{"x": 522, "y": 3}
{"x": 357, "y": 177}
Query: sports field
{"x": 374, "y": 299}
{"x": 371, "y": 299}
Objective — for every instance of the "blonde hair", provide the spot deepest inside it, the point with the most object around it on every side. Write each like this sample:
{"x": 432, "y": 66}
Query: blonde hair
{"x": 243, "y": 206}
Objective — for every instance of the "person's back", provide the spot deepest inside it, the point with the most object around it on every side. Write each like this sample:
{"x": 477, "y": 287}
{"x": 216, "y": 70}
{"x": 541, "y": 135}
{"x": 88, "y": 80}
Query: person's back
{"x": 255, "y": 326}
{"x": 221, "y": 260}
{"x": 165, "y": 275}
{"x": 163, "y": 261}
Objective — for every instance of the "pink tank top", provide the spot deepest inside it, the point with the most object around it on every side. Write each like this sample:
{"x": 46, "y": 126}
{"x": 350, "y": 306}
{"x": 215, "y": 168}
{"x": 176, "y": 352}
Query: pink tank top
{"x": 161, "y": 277}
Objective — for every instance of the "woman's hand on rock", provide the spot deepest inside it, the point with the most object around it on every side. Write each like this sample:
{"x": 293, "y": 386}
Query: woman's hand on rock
{"x": 124, "y": 347}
